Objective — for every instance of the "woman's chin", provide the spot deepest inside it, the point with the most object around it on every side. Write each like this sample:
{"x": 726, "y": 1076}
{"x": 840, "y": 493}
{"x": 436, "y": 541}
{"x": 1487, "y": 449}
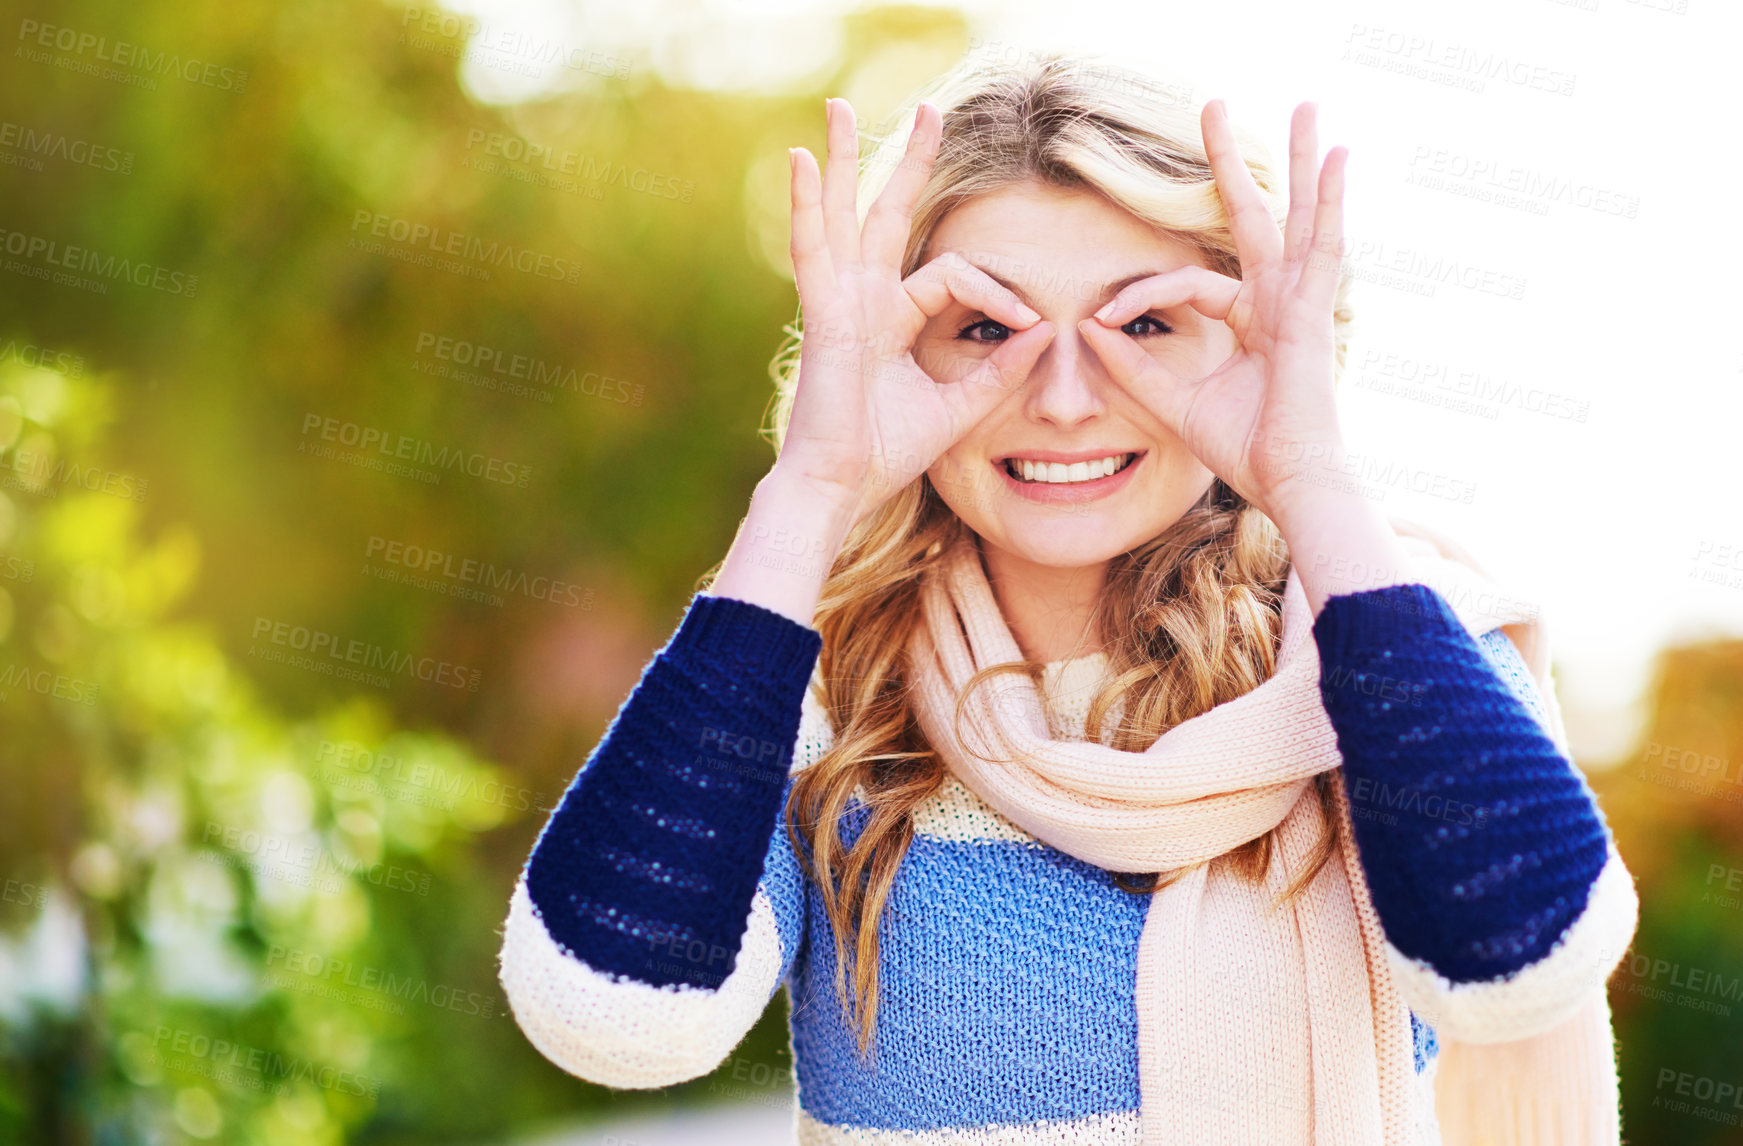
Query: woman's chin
{"x": 1065, "y": 540}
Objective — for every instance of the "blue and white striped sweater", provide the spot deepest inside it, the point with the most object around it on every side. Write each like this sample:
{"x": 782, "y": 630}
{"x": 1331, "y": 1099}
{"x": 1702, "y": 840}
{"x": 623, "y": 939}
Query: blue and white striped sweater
{"x": 1007, "y": 1010}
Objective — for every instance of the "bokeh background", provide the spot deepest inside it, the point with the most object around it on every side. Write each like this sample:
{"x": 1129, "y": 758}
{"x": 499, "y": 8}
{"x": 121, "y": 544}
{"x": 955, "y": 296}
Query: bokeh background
{"x": 376, "y": 380}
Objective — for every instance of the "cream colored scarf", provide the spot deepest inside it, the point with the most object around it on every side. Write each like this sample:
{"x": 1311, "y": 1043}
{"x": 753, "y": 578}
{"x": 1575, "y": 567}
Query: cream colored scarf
{"x": 1204, "y": 788}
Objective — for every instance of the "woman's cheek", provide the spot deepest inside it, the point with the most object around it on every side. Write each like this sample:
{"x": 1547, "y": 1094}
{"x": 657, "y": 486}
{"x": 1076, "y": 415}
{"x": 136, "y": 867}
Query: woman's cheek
{"x": 944, "y": 363}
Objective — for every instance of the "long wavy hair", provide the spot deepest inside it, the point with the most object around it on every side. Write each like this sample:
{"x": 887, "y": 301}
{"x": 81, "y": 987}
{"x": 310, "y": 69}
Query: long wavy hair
{"x": 1188, "y": 620}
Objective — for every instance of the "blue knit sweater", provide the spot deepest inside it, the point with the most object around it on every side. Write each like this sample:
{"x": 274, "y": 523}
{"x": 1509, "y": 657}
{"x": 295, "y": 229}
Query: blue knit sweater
{"x": 663, "y": 904}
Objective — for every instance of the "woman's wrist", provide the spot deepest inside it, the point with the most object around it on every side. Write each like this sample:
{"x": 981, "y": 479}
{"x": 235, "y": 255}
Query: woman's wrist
{"x": 1339, "y": 542}
{"x": 785, "y": 547}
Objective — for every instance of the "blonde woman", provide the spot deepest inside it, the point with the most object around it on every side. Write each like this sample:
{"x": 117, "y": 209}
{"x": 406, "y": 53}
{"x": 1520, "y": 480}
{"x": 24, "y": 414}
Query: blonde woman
{"x": 1076, "y": 743}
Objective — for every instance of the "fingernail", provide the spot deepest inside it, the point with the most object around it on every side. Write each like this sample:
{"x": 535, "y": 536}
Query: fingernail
{"x": 1029, "y": 313}
{"x": 1104, "y": 311}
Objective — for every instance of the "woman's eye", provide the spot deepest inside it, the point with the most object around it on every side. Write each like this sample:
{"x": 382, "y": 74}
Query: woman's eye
{"x": 1146, "y": 324}
{"x": 992, "y": 331}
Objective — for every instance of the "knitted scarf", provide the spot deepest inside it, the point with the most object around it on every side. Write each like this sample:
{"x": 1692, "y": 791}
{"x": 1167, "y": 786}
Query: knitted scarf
{"x": 1208, "y": 785}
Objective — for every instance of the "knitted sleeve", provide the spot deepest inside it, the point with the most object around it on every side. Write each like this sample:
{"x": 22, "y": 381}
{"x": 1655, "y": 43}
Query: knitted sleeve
{"x": 661, "y": 907}
{"x": 1503, "y": 899}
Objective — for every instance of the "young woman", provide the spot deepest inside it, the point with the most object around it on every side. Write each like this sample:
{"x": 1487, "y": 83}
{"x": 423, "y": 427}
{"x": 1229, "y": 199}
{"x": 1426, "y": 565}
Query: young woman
{"x": 1064, "y": 728}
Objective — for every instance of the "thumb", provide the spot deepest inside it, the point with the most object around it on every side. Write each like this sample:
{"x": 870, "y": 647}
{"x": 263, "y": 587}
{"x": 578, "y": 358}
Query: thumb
{"x": 1158, "y": 389}
{"x": 1005, "y": 370}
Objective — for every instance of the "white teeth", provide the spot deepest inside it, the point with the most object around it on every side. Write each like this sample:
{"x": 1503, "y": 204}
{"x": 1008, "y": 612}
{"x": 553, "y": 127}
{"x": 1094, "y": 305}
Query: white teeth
{"x": 1060, "y": 473}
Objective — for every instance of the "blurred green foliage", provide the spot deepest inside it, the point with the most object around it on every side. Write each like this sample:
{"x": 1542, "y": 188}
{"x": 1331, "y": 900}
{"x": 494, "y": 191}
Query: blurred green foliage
{"x": 226, "y": 917}
{"x": 249, "y": 901}
{"x": 1676, "y": 806}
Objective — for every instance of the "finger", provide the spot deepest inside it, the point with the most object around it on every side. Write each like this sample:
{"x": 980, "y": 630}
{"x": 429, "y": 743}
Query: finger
{"x": 973, "y": 396}
{"x": 1255, "y": 231}
{"x": 812, "y": 270}
{"x": 891, "y": 217}
{"x": 840, "y": 185}
{"x": 950, "y": 276}
{"x": 1303, "y": 181}
{"x": 1156, "y": 388}
{"x": 1324, "y": 265}
{"x": 1209, "y": 293}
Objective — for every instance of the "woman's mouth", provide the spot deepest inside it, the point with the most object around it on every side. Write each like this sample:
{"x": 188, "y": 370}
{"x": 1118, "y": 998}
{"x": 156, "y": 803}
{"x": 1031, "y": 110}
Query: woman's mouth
{"x": 1056, "y": 479}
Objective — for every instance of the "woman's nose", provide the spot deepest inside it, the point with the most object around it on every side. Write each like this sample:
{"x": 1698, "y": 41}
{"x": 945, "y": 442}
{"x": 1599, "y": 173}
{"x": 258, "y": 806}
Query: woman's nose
{"x": 1065, "y": 387}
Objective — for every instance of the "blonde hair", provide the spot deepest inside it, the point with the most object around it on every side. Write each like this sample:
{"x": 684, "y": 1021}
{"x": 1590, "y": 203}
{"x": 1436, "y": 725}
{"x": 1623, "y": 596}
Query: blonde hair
{"x": 1188, "y": 620}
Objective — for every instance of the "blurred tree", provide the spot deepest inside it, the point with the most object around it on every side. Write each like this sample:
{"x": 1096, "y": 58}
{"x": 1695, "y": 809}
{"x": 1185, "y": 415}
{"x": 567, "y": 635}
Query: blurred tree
{"x": 229, "y": 872}
{"x": 1676, "y": 806}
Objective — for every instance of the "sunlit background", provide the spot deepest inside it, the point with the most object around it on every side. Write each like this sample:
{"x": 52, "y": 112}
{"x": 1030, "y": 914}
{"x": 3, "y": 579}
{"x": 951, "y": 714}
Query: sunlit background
{"x": 377, "y": 379}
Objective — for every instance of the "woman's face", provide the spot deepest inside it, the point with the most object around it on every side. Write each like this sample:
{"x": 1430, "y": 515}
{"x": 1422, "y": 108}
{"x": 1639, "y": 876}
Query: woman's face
{"x": 1030, "y": 478}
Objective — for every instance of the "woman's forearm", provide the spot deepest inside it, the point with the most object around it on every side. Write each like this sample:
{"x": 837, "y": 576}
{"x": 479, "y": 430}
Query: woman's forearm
{"x": 1481, "y": 841}
{"x": 785, "y": 546}
{"x": 660, "y": 840}
{"x": 1339, "y": 542}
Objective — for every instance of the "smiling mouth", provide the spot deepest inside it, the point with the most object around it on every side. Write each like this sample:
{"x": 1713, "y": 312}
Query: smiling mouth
{"x": 1060, "y": 473}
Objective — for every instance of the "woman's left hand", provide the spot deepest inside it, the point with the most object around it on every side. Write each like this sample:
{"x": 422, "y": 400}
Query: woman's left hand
{"x": 1264, "y": 420}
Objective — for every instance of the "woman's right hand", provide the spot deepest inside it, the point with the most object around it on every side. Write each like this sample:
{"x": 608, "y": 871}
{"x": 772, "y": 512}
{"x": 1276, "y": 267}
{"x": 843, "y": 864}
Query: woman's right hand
{"x": 866, "y": 418}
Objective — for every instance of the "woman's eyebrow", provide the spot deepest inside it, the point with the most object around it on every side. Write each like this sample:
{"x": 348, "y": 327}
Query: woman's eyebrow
{"x": 1108, "y": 292}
